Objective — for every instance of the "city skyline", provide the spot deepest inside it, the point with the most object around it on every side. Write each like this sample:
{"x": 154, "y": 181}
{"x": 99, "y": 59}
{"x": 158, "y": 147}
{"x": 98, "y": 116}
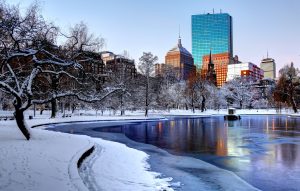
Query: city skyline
{"x": 141, "y": 26}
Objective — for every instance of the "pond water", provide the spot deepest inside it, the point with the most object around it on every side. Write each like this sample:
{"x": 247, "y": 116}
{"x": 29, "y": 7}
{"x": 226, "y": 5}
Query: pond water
{"x": 263, "y": 150}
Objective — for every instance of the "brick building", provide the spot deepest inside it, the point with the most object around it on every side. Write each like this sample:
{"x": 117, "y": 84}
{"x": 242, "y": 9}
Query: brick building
{"x": 221, "y": 62}
{"x": 114, "y": 63}
{"x": 181, "y": 60}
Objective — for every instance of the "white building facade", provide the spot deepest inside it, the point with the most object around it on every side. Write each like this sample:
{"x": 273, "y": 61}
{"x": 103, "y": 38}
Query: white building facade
{"x": 245, "y": 70}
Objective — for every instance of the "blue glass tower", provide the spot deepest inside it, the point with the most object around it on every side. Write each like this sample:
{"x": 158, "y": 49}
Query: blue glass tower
{"x": 211, "y": 32}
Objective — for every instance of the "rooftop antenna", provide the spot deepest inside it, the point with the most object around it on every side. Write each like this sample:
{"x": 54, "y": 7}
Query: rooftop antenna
{"x": 267, "y": 53}
{"x": 179, "y": 39}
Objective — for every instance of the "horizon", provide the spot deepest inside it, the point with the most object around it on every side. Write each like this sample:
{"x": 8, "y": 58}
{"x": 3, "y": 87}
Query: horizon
{"x": 133, "y": 27}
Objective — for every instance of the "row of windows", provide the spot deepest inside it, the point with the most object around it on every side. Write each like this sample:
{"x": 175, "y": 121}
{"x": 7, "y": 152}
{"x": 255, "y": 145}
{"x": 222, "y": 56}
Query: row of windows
{"x": 211, "y": 32}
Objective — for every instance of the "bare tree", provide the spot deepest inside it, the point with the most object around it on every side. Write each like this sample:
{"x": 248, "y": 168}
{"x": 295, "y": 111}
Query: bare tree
{"x": 27, "y": 53}
{"x": 146, "y": 67}
{"x": 79, "y": 47}
{"x": 122, "y": 76}
{"x": 192, "y": 94}
{"x": 287, "y": 89}
{"x": 239, "y": 92}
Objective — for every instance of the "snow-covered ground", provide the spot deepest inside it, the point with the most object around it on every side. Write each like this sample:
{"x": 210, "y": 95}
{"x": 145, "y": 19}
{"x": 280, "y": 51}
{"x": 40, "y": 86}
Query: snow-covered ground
{"x": 114, "y": 166}
{"x": 39, "y": 164}
{"x": 49, "y": 162}
{"x": 238, "y": 111}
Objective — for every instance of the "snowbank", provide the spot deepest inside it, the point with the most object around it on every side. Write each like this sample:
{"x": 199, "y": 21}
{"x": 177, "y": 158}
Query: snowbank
{"x": 46, "y": 162}
{"x": 110, "y": 168}
{"x": 49, "y": 162}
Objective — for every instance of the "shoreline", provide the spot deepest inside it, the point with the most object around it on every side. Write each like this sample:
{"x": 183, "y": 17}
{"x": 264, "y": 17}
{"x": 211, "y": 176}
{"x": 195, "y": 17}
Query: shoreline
{"x": 187, "y": 172}
{"x": 190, "y": 173}
{"x": 53, "y": 158}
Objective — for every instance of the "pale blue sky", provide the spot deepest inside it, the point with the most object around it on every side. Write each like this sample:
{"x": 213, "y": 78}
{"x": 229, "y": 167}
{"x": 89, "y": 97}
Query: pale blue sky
{"x": 152, "y": 25}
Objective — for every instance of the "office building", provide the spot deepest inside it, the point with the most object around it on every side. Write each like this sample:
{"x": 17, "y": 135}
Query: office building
{"x": 268, "y": 65}
{"x": 181, "y": 61}
{"x": 211, "y": 32}
{"x": 246, "y": 70}
{"x": 117, "y": 63}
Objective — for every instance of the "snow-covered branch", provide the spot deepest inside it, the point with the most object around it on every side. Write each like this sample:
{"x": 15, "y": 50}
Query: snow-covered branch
{"x": 9, "y": 89}
{"x": 60, "y": 73}
{"x": 77, "y": 95}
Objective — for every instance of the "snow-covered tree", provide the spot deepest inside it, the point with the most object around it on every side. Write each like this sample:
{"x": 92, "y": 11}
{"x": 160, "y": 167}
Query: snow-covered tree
{"x": 172, "y": 95}
{"x": 123, "y": 77}
{"x": 239, "y": 93}
{"x": 28, "y": 53}
{"x": 288, "y": 87}
{"x": 192, "y": 95}
{"x": 216, "y": 98}
{"x": 197, "y": 92}
{"x": 171, "y": 90}
{"x": 146, "y": 67}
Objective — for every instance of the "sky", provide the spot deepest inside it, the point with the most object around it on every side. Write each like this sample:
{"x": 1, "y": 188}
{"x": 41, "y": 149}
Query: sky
{"x": 137, "y": 26}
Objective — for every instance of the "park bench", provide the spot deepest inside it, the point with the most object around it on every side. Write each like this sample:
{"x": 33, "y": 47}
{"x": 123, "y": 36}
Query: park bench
{"x": 67, "y": 115}
{"x": 6, "y": 117}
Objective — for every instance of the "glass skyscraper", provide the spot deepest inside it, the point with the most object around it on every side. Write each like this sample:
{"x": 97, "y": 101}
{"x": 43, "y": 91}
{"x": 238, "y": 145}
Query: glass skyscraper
{"x": 211, "y": 32}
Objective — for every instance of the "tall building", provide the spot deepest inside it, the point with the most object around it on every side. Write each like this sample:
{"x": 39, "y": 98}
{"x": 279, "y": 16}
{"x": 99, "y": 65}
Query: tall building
{"x": 246, "y": 70}
{"x": 211, "y": 32}
{"x": 181, "y": 60}
{"x": 269, "y": 67}
{"x": 221, "y": 62}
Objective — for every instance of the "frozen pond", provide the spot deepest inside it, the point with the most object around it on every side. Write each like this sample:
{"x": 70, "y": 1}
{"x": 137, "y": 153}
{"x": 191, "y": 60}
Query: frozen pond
{"x": 263, "y": 150}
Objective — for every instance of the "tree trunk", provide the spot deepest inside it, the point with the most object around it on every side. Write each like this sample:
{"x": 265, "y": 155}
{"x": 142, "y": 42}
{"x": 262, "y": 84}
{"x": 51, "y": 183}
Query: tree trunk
{"x": 55, "y": 83}
{"x": 203, "y": 104}
{"x": 34, "y": 110}
{"x": 193, "y": 105}
{"x": 147, "y": 97}
{"x": 53, "y": 108}
{"x": 122, "y": 105}
{"x": 19, "y": 115}
{"x": 73, "y": 107}
{"x": 294, "y": 105}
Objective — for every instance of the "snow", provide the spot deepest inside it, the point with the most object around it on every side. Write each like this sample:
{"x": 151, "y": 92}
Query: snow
{"x": 39, "y": 164}
{"x": 238, "y": 112}
{"x": 100, "y": 169}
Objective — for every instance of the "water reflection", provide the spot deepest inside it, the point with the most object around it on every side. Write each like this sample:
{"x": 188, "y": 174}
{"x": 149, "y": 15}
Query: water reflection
{"x": 264, "y": 150}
